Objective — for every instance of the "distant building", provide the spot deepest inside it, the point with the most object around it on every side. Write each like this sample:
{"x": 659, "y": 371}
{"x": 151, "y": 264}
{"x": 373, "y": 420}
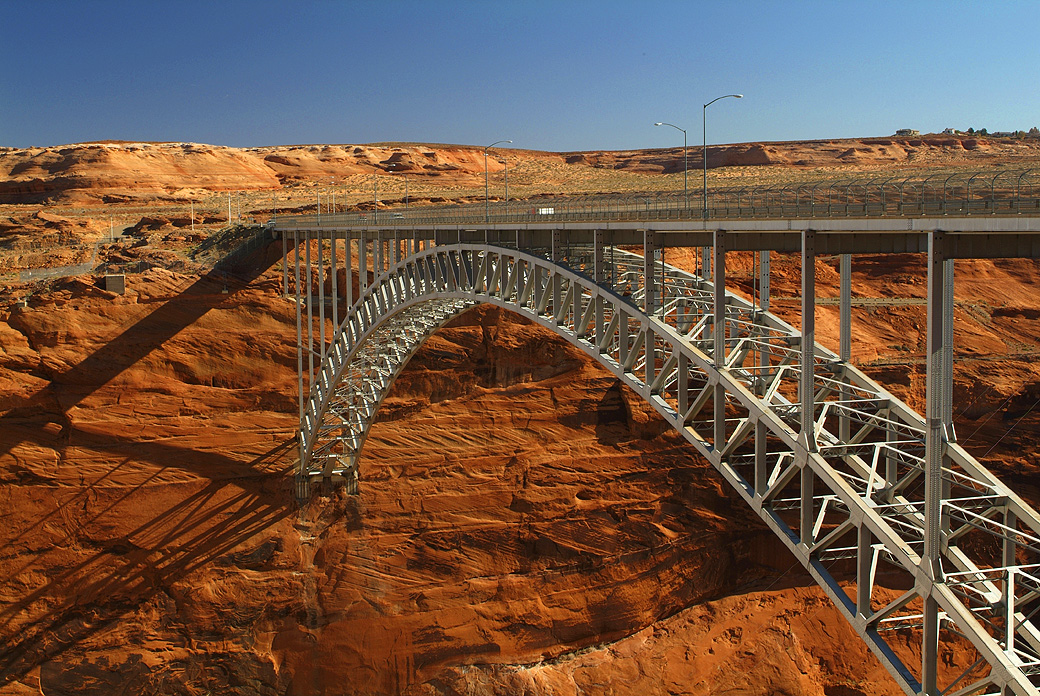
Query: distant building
{"x": 910, "y": 132}
{"x": 950, "y": 131}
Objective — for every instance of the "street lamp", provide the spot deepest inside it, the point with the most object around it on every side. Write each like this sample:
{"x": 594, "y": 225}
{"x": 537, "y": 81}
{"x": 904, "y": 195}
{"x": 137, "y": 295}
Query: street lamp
{"x": 487, "y": 209}
{"x": 686, "y": 163}
{"x": 405, "y": 176}
{"x": 704, "y": 122}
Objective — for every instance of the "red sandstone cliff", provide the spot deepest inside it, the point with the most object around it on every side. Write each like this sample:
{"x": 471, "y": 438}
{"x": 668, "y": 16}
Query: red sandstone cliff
{"x": 120, "y": 172}
{"x": 524, "y": 522}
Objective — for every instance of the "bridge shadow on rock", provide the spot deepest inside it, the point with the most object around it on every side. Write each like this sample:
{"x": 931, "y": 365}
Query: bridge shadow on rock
{"x": 71, "y": 590}
{"x": 76, "y": 384}
{"x": 144, "y": 565}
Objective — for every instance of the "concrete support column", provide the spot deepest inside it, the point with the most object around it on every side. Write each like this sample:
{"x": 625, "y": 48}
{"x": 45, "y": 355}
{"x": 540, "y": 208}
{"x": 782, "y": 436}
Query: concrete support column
{"x": 808, "y": 507}
{"x": 864, "y": 570}
{"x": 521, "y": 275}
{"x": 845, "y": 334}
{"x": 719, "y": 314}
{"x": 845, "y": 313}
{"x": 936, "y": 386}
{"x": 948, "y": 307}
{"x": 761, "y": 461}
{"x": 598, "y": 268}
{"x": 385, "y": 257}
{"x": 377, "y": 257}
{"x": 719, "y": 330}
{"x": 557, "y": 281}
{"x": 310, "y": 309}
{"x": 806, "y": 386}
{"x": 334, "y": 264}
{"x": 891, "y": 462}
{"x": 1010, "y": 550}
{"x": 321, "y": 293}
{"x": 764, "y": 352}
{"x": 599, "y": 275}
{"x": 939, "y": 336}
{"x": 683, "y": 375}
{"x": 362, "y": 250}
{"x": 650, "y": 364}
{"x": 491, "y": 257}
{"x": 661, "y": 285}
{"x": 299, "y": 327}
{"x": 763, "y": 280}
{"x": 649, "y": 285}
{"x": 348, "y": 265}
{"x": 623, "y": 336}
{"x": 285, "y": 265}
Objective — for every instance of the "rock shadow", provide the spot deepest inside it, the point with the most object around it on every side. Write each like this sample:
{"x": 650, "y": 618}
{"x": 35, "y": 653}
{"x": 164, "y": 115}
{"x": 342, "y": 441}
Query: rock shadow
{"x": 131, "y": 570}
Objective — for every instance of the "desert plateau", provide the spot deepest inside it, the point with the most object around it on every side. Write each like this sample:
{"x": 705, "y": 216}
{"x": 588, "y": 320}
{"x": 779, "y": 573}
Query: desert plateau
{"x": 524, "y": 524}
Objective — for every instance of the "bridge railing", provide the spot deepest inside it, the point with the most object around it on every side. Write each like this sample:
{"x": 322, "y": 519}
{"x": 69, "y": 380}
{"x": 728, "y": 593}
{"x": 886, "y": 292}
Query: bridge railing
{"x": 1012, "y": 192}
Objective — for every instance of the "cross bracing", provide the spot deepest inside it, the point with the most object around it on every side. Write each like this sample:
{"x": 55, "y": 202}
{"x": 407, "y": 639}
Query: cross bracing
{"x": 914, "y": 541}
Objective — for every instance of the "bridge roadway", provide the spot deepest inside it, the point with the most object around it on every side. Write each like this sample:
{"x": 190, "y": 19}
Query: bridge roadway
{"x": 855, "y": 484}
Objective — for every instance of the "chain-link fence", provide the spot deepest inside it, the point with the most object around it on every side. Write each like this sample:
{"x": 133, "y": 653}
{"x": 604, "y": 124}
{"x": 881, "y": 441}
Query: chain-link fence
{"x": 959, "y": 193}
{"x": 224, "y": 250}
{"x": 31, "y": 274}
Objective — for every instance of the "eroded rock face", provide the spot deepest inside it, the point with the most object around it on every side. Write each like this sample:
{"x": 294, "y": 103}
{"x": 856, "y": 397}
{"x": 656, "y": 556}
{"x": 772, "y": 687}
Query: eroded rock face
{"x": 525, "y": 523}
{"x": 127, "y": 172}
{"x": 120, "y": 171}
{"x": 517, "y": 504}
{"x": 514, "y": 523}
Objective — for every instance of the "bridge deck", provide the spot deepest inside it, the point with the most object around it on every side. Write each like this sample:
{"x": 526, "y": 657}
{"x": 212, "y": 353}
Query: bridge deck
{"x": 849, "y": 478}
{"x": 995, "y": 237}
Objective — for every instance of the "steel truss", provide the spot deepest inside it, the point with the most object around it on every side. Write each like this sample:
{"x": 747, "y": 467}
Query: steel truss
{"x": 919, "y": 546}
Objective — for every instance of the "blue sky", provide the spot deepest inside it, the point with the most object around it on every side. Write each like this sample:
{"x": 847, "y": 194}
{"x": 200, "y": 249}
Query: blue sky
{"x": 550, "y": 75}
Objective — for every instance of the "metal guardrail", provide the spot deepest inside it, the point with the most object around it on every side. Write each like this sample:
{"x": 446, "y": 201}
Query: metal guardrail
{"x": 961, "y": 194}
{"x": 50, "y": 273}
{"x": 217, "y": 255}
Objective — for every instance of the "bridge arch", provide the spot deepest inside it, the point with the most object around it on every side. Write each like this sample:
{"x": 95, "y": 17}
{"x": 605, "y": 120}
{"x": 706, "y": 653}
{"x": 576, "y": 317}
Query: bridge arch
{"x": 422, "y": 293}
{"x": 831, "y": 461}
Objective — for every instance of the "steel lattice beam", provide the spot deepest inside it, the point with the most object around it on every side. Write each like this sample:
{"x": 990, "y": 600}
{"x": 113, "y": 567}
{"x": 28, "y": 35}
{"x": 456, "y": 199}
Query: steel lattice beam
{"x": 836, "y": 466}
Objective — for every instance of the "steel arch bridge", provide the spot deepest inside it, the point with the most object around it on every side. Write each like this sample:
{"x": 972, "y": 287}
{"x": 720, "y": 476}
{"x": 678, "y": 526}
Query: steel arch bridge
{"x": 855, "y": 483}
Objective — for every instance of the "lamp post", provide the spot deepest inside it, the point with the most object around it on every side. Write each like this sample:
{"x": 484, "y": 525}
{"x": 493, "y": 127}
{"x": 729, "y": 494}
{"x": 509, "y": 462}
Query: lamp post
{"x": 405, "y": 177}
{"x": 704, "y": 125}
{"x": 686, "y": 163}
{"x": 487, "y": 209}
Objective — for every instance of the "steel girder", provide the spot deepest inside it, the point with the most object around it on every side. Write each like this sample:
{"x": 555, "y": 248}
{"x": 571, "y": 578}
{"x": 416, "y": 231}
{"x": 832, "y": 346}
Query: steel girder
{"x": 843, "y": 486}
